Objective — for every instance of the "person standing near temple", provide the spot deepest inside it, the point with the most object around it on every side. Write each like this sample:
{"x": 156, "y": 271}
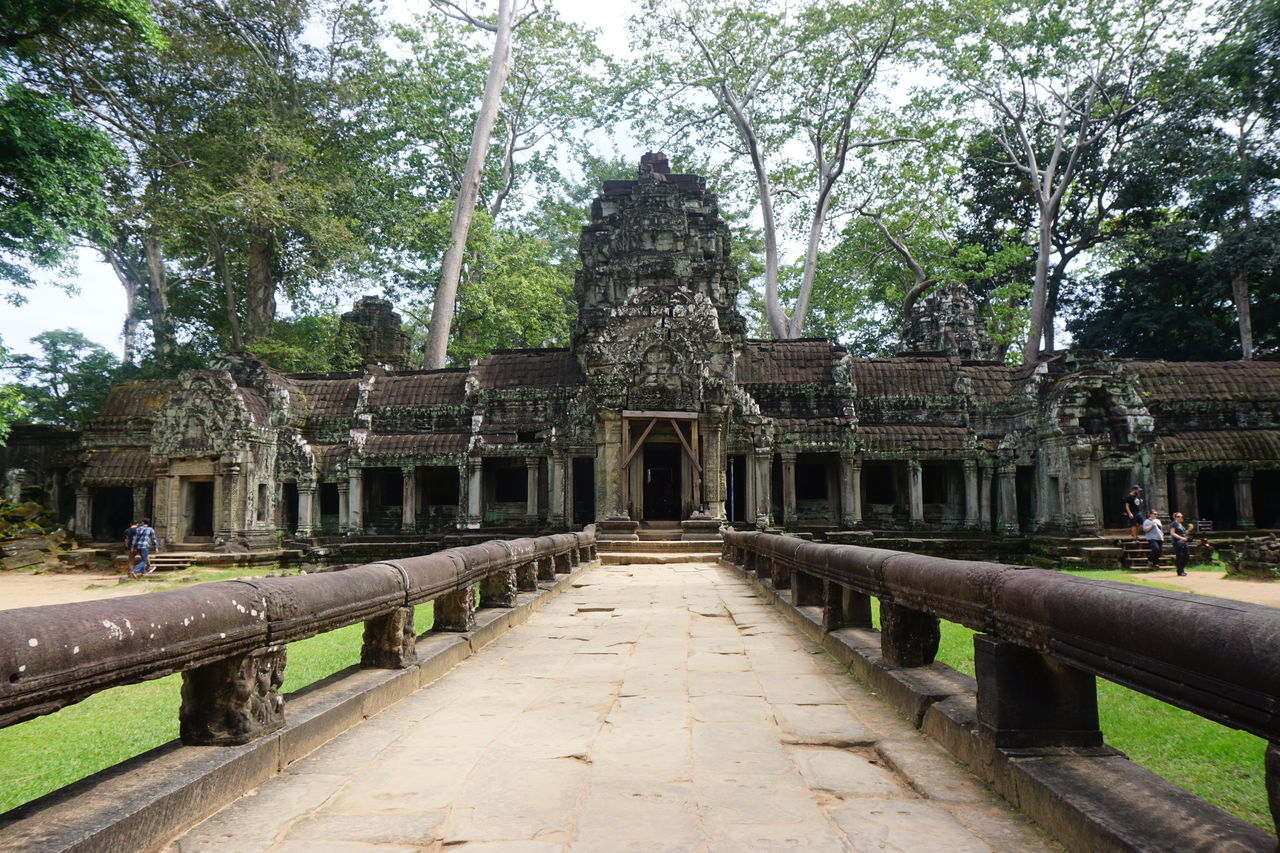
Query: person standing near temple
{"x": 144, "y": 542}
{"x": 1133, "y": 506}
{"x": 1155, "y": 538}
{"x": 1181, "y": 536}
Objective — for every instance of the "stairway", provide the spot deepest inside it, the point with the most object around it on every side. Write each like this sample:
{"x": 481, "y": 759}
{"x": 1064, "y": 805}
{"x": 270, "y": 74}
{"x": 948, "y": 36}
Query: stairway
{"x": 1136, "y": 553}
{"x": 660, "y": 544}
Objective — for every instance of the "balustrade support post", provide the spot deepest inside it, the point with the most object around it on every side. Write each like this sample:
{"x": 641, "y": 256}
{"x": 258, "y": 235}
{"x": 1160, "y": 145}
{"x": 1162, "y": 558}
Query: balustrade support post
{"x": 844, "y": 608}
{"x": 1027, "y": 700}
{"x": 499, "y": 589}
{"x": 908, "y": 637}
{"x": 456, "y": 611}
{"x": 527, "y": 576}
{"x": 389, "y": 641}
{"x": 806, "y": 590}
{"x": 233, "y": 701}
{"x": 779, "y": 574}
{"x": 546, "y": 568}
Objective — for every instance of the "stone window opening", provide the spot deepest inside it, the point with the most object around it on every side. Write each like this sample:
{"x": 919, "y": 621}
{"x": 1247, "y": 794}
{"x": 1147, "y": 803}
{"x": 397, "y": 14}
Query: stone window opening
{"x": 264, "y": 502}
{"x": 510, "y": 485}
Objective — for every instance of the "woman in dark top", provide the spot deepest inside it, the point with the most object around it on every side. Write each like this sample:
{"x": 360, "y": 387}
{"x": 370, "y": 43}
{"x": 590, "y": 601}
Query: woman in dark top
{"x": 1181, "y": 543}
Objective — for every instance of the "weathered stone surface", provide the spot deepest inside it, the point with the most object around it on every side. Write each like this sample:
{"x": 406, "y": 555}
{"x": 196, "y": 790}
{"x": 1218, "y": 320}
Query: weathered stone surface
{"x": 233, "y": 701}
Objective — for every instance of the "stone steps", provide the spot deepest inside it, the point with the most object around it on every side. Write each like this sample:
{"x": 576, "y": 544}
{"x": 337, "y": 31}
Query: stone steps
{"x": 641, "y": 558}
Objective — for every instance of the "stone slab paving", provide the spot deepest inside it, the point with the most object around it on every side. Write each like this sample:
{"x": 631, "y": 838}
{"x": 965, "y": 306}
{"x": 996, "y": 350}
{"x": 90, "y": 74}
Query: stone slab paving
{"x": 650, "y": 708}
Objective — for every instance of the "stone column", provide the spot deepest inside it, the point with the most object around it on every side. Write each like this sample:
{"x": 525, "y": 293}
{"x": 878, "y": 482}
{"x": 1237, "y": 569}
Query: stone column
{"x": 761, "y": 475}
{"x": 1027, "y": 700}
{"x": 1007, "y": 518}
{"x": 915, "y": 493}
{"x": 408, "y": 499}
{"x": 1244, "y": 498}
{"x": 850, "y": 490}
{"x": 84, "y": 513}
{"x": 475, "y": 486}
{"x": 714, "y": 486}
{"x": 344, "y": 507}
{"x": 1184, "y": 482}
{"x": 971, "y": 516}
{"x": 141, "y": 497}
{"x": 355, "y": 500}
{"x": 306, "y": 512}
{"x": 557, "y": 477}
{"x": 984, "y": 497}
{"x": 610, "y": 500}
{"x": 231, "y": 505}
{"x": 1081, "y": 474}
{"x": 788, "y": 490}
{"x": 531, "y": 464}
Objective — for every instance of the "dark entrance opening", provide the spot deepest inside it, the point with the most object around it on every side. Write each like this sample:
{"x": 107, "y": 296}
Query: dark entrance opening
{"x": 736, "y": 474}
{"x": 112, "y": 513}
{"x": 1024, "y": 479}
{"x": 201, "y": 509}
{"x": 289, "y": 507}
{"x": 440, "y": 492}
{"x": 1216, "y": 493}
{"x": 661, "y": 482}
{"x": 329, "y": 506}
{"x": 1115, "y": 487}
{"x": 383, "y": 499}
{"x": 584, "y": 491}
{"x": 1266, "y": 499}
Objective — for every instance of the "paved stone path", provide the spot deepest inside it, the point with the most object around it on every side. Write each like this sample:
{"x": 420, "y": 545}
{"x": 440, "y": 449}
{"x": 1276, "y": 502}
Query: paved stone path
{"x": 648, "y": 708}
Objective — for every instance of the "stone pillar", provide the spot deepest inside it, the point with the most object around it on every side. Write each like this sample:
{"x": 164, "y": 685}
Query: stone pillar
{"x": 1027, "y": 700}
{"x": 230, "y": 505}
{"x": 557, "y": 479}
{"x": 499, "y": 589}
{"x": 531, "y": 464}
{"x": 1184, "y": 482}
{"x": 344, "y": 508}
{"x": 141, "y": 498}
{"x": 389, "y": 641}
{"x": 408, "y": 499}
{"x": 233, "y": 701}
{"x": 971, "y": 517}
{"x": 1081, "y": 474}
{"x": 984, "y": 498}
{"x": 714, "y": 485}
{"x": 1244, "y": 498}
{"x": 475, "y": 495}
{"x": 84, "y": 513}
{"x": 306, "y": 510}
{"x": 1007, "y": 518}
{"x": 761, "y": 476}
{"x": 788, "y": 490}
{"x": 355, "y": 500}
{"x": 908, "y": 637}
{"x": 915, "y": 493}
{"x": 455, "y": 611}
{"x": 850, "y": 490}
{"x": 844, "y": 608}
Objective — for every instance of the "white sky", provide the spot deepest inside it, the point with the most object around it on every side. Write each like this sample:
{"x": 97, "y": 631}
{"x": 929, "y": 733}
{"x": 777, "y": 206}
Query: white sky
{"x": 97, "y": 307}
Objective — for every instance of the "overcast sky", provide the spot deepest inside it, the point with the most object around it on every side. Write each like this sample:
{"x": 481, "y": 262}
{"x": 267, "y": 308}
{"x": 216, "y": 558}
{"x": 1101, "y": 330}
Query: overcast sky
{"x": 97, "y": 308}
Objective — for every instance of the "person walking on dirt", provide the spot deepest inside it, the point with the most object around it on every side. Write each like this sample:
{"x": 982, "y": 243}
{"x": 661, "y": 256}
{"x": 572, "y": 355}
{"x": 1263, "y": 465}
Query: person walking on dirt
{"x": 1133, "y": 506}
{"x": 144, "y": 540}
{"x": 130, "y": 548}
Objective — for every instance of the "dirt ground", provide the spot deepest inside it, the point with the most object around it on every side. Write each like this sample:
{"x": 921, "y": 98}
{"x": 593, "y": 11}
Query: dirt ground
{"x": 24, "y": 590}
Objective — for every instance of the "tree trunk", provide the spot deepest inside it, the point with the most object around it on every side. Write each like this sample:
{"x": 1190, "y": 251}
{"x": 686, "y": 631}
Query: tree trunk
{"x": 131, "y": 286}
{"x": 1051, "y": 308}
{"x": 465, "y": 207}
{"x": 158, "y": 300}
{"x": 260, "y": 296}
{"x": 1240, "y": 293}
{"x": 795, "y": 326}
{"x": 1031, "y": 349}
{"x": 228, "y": 288}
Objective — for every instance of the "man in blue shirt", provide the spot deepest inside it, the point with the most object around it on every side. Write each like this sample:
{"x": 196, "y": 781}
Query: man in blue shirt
{"x": 144, "y": 541}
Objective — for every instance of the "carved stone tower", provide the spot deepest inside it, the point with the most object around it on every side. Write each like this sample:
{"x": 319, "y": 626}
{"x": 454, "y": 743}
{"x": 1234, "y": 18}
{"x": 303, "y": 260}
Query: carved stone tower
{"x": 374, "y": 329}
{"x": 948, "y": 322}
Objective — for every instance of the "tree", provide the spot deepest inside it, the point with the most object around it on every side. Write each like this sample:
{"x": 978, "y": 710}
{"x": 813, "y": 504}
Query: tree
{"x": 469, "y": 188}
{"x": 12, "y": 407}
{"x": 68, "y": 382}
{"x": 1053, "y": 79}
{"x": 783, "y": 82}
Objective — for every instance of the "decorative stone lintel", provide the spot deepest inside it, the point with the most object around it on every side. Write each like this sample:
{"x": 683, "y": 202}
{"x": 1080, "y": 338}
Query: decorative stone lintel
{"x": 389, "y": 641}
{"x": 233, "y": 701}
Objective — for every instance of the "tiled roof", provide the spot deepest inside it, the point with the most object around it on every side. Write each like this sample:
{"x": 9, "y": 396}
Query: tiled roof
{"x": 529, "y": 368}
{"x": 420, "y": 444}
{"x": 787, "y": 362}
{"x": 1226, "y": 381}
{"x": 256, "y": 405}
{"x": 329, "y": 398}
{"x": 1223, "y": 446}
{"x": 124, "y": 466}
{"x": 138, "y": 399}
{"x": 904, "y": 377}
{"x": 902, "y": 438}
{"x": 328, "y": 456}
{"x": 419, "y": 388}
{"x": 990, "y": 383}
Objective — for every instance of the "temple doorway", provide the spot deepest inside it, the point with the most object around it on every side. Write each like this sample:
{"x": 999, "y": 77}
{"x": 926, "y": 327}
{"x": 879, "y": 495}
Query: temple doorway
{"x": 200, "y": 500}
{"x": 662, "y": 482}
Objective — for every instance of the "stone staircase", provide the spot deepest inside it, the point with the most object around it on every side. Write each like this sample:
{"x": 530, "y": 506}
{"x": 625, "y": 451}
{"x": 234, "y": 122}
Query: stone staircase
{"x": 659, "y": 544}
{"x": 1137, "y": 551}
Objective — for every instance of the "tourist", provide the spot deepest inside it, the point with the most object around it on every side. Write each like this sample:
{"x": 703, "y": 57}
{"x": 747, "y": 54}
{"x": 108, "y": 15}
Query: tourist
{"x": 1155, "y": 538}
{"x": 1133, "y": 509}
{"x": 1181, "y": 543}
{"x": 130, "y": 548}
{"x": 144, "y": 541}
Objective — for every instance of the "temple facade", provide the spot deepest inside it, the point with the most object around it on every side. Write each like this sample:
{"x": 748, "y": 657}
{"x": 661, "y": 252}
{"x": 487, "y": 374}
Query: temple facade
{"x": 662, "y": 410}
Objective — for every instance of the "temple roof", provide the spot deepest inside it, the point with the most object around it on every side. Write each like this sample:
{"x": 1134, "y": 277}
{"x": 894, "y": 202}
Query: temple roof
{"x": 529, "y": 368}
{"x": 1224, "y": 381}
{"x": 787, "y": 362}
{"x": 141, "y": 398}
{"x": 118, "y": 466}
{"x": 410, "y": 444}
{"x": 329, "y": 398}
{"x": 890, "y": 439}
{"x": 1223, "y": 445}
{"x": 419, "y": 388}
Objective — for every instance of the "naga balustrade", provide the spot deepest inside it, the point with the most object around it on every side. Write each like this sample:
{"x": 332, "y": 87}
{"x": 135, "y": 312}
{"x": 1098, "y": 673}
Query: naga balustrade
{"x": 1043, "y": 637}
{"x": 228, "y": 638}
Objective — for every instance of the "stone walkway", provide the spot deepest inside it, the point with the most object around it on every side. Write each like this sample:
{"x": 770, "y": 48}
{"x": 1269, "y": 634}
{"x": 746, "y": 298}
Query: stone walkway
{"x": 648, "y": 708}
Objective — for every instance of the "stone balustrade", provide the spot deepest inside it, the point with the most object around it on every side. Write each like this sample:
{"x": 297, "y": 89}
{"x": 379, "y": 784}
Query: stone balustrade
{"x": 1043, "y": 637}
{"x": 228, "y": 638}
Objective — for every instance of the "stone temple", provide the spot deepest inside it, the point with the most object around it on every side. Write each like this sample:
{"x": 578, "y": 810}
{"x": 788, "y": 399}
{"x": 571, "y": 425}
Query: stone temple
{"x": 663, "y": 412}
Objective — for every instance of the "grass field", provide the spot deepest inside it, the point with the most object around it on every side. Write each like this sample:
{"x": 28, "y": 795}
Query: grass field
{"x": 1221, "y": 765}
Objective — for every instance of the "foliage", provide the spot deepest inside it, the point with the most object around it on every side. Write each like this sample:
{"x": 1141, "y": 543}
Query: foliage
{"x": 68, "y": 382}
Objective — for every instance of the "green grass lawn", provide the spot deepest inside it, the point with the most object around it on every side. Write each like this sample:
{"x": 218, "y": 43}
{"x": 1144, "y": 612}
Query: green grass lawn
{"x": 43, "y": 754}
